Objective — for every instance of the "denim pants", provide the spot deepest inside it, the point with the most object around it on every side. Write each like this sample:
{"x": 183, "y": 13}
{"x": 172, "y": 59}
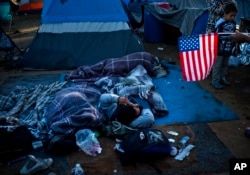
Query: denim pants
{"x": 220, "y": 69}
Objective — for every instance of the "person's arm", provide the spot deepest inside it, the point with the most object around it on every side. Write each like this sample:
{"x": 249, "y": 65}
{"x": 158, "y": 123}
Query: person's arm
{"x": 108, "y": 99}
{"x": 108, "y": 104}
{"x": 145, "y": 120}
{"x": 240, "y": 38}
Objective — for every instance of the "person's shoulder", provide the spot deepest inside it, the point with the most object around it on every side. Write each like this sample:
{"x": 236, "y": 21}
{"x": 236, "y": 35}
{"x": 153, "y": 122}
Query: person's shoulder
{"x": 219, "y": 22}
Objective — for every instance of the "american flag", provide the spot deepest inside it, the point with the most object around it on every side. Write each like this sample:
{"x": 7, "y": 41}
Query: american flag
{"x": 197, "y": 55}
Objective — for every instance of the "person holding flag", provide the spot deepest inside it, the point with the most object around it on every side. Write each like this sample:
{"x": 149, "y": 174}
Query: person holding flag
{"x": 225, "y": 26}
{"x": 240, "y": 38}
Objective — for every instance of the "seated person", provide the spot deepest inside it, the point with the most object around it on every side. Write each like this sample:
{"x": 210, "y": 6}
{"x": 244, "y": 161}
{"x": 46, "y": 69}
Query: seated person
{"x": 121, "y": 109}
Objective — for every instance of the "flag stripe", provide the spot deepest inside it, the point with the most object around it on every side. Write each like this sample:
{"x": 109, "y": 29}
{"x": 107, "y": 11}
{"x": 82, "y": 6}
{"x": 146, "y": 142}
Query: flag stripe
{"x": 197, "y": 58}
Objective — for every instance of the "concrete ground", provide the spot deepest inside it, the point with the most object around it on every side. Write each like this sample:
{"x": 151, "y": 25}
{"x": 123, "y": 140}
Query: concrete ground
{"x": 236, "y": 96}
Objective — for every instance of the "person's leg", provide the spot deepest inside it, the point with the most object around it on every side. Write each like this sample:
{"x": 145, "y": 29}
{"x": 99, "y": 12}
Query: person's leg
{"x": 145, "y": 120}
{"x": 224, "y": 70}
{"x": 216, "y": 73}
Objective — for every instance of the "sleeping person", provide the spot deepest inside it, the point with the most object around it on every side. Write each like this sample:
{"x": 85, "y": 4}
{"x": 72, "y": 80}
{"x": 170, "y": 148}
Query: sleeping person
{"x": 72, "y": 109}
{"x": 132, "y": 111}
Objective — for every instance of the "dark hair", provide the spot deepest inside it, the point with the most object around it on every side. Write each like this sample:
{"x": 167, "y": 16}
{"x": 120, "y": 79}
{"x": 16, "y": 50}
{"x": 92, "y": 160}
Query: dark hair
{"x": 125, "y": 114}
{"x": 231, "y": 7}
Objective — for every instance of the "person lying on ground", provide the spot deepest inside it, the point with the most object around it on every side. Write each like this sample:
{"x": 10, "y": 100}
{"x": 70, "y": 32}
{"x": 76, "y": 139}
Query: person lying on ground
{"x": 121, "y": 109}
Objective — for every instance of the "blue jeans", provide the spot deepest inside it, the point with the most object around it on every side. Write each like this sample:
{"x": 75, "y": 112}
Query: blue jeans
{"x": 145, "y": 120}
{"x": 220, "y": 69}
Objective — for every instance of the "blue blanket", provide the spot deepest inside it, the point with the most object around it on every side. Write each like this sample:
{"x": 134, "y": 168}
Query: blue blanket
{"x": 188, "y": 102}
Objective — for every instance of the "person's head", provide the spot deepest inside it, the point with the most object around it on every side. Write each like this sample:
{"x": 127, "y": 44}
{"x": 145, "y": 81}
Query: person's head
{"x": 230, "y": 12}
{"x": 126, "y": 113}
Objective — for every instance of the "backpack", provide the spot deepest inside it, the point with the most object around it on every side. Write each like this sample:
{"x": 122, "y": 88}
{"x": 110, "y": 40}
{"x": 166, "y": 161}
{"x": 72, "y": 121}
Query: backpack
{"x": 144, "y": 146}
{"x": 14, "y": 143}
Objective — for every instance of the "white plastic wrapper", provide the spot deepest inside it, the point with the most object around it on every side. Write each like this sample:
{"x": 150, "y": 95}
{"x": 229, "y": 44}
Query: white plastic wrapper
{"x": 87, "y": 142}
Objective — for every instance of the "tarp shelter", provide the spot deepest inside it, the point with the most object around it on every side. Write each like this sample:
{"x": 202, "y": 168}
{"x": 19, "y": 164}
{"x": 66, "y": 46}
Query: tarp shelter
{"x": 190, "y": 16}
{"x": 183, "y": 17}
{"x": 80, "y": 32}
{"x": 27, "y": 6}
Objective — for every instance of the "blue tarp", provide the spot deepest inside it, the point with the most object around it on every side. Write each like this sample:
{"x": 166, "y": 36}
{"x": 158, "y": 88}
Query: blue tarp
{"x": 188, "y": 102}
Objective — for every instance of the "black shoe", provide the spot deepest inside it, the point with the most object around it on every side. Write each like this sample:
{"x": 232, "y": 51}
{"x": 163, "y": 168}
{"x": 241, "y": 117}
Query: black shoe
{"x": 217, "y": 86}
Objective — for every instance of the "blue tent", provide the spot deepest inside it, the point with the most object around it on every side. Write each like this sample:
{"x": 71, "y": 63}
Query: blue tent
{"x": 80, "y": 32}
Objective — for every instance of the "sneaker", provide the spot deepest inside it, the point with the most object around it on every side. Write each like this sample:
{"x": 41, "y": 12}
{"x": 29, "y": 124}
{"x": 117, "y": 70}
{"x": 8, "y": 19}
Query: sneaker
{"x": 217, "y": 85}
{"x": 225, "y": 81}
{"x": 33, "y": 165}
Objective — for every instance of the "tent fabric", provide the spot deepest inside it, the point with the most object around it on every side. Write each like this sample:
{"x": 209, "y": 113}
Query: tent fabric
{"x": 83, "y": 11}
{"x": 30, "y": 5}
{"x": 84, "y": 27}
{"x": 70, "y": 50}
{"x": 76, "y": 33}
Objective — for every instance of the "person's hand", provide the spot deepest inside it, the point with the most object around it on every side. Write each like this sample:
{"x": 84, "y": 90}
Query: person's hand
{"x": 239, "y": 37}
{"x": 125, "y": 101}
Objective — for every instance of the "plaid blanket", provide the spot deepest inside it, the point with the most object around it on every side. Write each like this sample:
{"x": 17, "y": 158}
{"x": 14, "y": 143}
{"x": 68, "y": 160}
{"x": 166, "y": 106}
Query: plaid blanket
{"x": 72, "y": 109}
{"x": 137, "y": 82}
{"x": 58, "y": 109}
{"x": 23, "y": 100}
{"x": 28, "y": 104}
{"x": 113, "y": 67}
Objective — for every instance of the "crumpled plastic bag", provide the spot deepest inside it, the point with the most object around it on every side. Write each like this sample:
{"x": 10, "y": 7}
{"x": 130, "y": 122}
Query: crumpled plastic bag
{"x": 87, "y": 142}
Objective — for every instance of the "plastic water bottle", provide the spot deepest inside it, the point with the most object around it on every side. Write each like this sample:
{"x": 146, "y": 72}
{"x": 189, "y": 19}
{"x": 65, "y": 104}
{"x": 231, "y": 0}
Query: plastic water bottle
{"x": 183, "y": 142}
{"x": 77, "y": 170}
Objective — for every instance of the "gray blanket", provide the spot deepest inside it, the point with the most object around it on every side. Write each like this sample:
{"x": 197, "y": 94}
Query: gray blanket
{"x": 113, "y": 67}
